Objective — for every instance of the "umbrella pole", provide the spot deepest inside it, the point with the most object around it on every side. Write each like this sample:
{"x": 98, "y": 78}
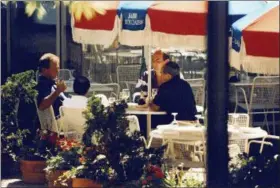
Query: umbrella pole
{"x": 147, "y": 54}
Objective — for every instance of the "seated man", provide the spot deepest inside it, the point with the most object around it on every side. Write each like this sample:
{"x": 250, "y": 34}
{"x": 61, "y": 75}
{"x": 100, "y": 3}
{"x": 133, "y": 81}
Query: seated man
{"x": 159, "y": 60}
{"x": 50, "y": 92}
{"x": 175, "y": 95}
{"x": 81, "y": 87}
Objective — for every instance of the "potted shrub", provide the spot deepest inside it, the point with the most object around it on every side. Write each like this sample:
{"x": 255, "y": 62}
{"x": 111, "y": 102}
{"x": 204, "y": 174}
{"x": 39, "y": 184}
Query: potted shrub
{"x": 255, "y": 171}
{"x": 33, "y": 157}
{"x": 18, "y": 87}
{"x": 69, "y": 155}
{"x": 112, "y": 156}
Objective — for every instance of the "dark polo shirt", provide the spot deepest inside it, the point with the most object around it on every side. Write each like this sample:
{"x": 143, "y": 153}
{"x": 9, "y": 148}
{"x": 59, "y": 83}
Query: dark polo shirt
{"x": 176, "y": 96}
{"x": 45, "y": 87}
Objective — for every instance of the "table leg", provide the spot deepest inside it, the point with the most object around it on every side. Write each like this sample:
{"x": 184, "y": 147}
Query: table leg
{"x": 149, "y": 125}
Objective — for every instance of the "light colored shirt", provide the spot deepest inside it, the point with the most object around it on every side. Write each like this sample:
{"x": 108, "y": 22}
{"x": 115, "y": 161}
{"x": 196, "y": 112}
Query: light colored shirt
{"x": 76, "y": 101}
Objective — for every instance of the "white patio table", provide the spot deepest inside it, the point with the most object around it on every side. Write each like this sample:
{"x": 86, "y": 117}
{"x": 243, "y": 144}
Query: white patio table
{"x": 135, "y": 109}
{"x": 193, "y": 132}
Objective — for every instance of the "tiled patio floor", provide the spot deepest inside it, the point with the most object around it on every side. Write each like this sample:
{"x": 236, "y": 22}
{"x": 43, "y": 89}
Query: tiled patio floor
{"x": 17, "y": 182}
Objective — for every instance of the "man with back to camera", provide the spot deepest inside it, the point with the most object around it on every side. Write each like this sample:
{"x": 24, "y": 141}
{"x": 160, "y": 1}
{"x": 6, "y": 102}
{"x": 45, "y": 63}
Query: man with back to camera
{"x": 50, "y": 91}
{"x": 81, "y": 87}
{"x": 174, "y": 95}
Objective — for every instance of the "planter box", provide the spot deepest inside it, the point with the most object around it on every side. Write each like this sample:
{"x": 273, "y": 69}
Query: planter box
{"x": 85, "y": 183}
{"x": 33, "y": 171}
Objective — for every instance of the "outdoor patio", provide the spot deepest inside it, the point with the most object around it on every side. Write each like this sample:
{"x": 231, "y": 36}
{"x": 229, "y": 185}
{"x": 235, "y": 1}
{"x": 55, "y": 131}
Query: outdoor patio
{"x": 233, "y": 73}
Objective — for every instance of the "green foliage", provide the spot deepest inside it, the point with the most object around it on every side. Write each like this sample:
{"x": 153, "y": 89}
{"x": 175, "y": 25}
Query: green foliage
{"x": 41, "y": 148}
{"x": 259, "y": 171}
{"x": 112, "y": 156}
{"x": 69, "y": 156}
{"x": 179, "y": 178}
{"x": 19, "y": 87}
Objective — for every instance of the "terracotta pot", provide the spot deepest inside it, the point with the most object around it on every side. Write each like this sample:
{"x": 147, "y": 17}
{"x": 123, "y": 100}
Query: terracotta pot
{"x": 53, "y": 176}
{"x": 33, "y": 171}
{"x": 85, "y": 183}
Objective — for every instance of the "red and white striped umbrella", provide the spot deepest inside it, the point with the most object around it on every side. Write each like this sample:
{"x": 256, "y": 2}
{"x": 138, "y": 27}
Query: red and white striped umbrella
{"x": 256, "y": 41}
{"x": 140, "y": 23}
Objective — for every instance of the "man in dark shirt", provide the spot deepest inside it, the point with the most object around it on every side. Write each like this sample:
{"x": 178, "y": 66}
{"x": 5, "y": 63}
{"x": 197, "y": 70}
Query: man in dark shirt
{"x": 175, "y": 95}
{"x": 50, "y": 92}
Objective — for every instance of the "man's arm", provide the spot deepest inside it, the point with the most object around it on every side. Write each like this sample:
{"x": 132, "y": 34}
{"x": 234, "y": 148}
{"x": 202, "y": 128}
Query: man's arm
{"x": 49, "y": 100}
{"x": 154, "y": 107}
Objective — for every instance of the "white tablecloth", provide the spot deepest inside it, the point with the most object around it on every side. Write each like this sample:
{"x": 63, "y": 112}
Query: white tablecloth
{"x": 198, "y": 132}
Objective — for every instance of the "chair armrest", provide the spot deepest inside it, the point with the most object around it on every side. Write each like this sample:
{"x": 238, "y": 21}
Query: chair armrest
{"x": 144, "y": 140}
{"x": 262, "y": 143}
{"x": 240, "y": 89}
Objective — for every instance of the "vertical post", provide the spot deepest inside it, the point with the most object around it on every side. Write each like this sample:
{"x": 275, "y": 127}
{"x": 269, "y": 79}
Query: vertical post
{"x": 63, "y": 39}
{"x": 218, "y": 69}
{"x": 147, "y": 53}
{"x": 58, "y": 30}
{"x": 9, "y": 42}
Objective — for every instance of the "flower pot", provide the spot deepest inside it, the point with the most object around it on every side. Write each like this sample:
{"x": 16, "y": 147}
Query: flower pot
{"x": 53, "y": 176}
{"x": 33, "y": 171}
{"x": 85, "y": 183}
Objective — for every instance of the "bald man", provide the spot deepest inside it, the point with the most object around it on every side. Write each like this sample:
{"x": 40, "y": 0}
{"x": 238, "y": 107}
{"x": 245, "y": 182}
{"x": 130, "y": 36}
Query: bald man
{"x": 50, "y": 90}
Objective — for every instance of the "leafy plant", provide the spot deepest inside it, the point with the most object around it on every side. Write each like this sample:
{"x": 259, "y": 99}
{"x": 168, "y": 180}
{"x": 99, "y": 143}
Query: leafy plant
{"x": 18, "y": 87}
{"x": 112, "y": 155}
{"x": 179, "y": 178}
{"x": 69, "y": 155}
{"x": 42, "y": 147}
{"x": 78, "y": 8}
{"x": 258, "y": 171}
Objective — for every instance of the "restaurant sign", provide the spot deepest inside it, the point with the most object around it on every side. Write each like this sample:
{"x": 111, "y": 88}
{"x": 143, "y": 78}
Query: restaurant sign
{"x": 133, "y": 21}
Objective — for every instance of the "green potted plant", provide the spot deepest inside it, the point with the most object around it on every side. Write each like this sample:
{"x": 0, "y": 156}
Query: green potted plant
{"x": 18, "y": 87}
{"x": 34, "y": 155}
{"x": 112, "y": 156}
{"x": 69, "y": 155}
{"x": 256, "y": 171}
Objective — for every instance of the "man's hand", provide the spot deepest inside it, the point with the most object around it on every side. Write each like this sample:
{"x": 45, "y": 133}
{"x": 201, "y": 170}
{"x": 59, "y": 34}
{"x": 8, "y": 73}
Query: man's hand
{"x": 61, "y": 86}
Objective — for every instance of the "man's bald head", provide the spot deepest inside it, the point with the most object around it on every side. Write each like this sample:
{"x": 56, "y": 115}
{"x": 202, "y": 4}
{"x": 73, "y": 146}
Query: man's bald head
{"x": 49, "y": 65}
{"x": 159, "y": 59}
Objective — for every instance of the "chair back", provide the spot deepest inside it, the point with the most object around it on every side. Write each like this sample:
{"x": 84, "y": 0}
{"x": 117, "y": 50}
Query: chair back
{"x": 65, "y": 74}
{"x": 133, "y": 123}
{"x": 127, "y": 73}
{"x": 198, "y": 87}
{"x": 104, "y": 99}
{"x": 47, "y": 119}
{"x": 239, "y": 120}
{"x": 109, "y": 90}
{"x": 263, "y": 91}
{"x": 73, "y": 120}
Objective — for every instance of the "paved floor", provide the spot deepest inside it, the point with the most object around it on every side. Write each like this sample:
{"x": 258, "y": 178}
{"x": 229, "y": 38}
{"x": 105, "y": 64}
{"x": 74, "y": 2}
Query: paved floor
{"x": 17, "y": 182}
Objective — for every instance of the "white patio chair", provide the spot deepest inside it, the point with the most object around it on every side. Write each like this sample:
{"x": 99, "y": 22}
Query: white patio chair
{"x": 65, "y": 74}
{"x": 238, "y": 120}
{"x": 239, "y": 146}
{"x": 104, "y": 99}
{"x": 198, "y": 88}
{"x": 128, "y": 75}
{"x": 47, "y": 119}
{"x": 72, "y": 122}
{"x": 260, "y": 99}
{"x": 135, "y": 126}
{"x": 109, "y": 90}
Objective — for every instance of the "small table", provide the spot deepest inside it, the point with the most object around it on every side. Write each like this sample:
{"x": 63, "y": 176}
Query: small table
{"x": 145, "y": 111}
{"x": 195, "y": 133}
{"x": 137, "y": 110}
